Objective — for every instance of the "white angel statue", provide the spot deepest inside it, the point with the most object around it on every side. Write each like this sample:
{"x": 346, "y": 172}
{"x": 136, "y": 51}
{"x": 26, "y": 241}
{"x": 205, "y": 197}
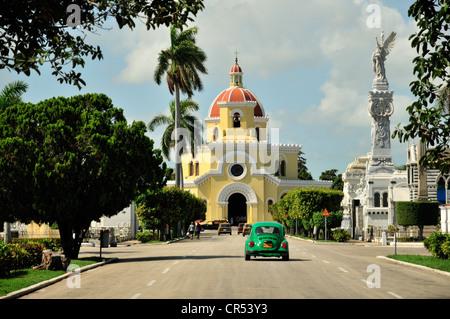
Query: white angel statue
{"x": 379, "y": 56}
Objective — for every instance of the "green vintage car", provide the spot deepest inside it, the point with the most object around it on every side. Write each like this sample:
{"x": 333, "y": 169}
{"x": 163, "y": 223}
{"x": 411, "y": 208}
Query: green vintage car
{"x": 267, "y": 239}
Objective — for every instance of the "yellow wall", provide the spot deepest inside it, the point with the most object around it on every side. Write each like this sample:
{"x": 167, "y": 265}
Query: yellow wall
{"x": 41, "y": 231}
{"x": 217, "y": 161}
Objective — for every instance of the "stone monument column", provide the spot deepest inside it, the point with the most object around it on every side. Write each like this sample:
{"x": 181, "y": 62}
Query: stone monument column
{"x": 380, "y": 109}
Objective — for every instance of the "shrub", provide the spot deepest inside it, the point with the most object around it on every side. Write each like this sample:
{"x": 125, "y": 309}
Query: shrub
{"x": 49, "y": 243}
{"x": 340, "y": 235}
{"x": 145, "y": 236}
{"x": 417, "y": 213}
{"x": 438, "y": 245}
{"x": 446, "y": 247}
{"x": 34, "y": 251}
{"x": 5, "y": 263}
{"x": 19, "y": 256}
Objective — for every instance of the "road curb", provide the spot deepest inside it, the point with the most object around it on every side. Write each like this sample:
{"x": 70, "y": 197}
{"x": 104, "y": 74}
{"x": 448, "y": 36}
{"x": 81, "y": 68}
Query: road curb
{"x": 40, "y": 285}
{"x": 445, "y": 273}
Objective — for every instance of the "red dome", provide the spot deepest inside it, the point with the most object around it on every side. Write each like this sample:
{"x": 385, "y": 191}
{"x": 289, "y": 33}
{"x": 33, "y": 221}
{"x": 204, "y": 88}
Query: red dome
{"x": 235, "y": 95}
{"x": 236, "y": 69}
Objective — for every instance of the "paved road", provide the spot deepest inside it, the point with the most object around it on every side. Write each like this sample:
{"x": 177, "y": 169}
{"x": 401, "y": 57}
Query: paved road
{"x": 214, "y": 268}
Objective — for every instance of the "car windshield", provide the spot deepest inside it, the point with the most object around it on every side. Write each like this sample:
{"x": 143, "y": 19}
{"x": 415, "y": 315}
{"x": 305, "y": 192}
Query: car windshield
{"x": 267, "y": 230}
{"x": 224, "y": 225}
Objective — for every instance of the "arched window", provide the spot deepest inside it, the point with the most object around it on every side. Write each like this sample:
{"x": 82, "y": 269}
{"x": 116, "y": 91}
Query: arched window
{"x": 257, "y": 133}
{"x": 269, "y": 203}
{"x": 191, "y": 169}
{"x": 283, "y": 168}
{"x": 385, "y": 200}
{"x": 197, "y": 169}
{"x": 215, "y": 135}
{"x": 236, "y": 120}
{"x": 376, "y": 200}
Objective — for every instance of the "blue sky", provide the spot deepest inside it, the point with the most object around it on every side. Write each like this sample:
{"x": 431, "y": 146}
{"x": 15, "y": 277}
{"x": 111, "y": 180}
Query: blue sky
{"x": 308, "y": 62}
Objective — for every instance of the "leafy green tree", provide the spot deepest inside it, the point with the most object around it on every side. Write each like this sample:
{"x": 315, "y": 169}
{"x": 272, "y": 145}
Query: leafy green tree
{"x": 34, "y": 32}
{"x": 428, "y": 120}
{"x": 303, "y": 173}
{"x": 333, "y": 221}
{"x": 301, "y": 203}
{"x": 10, "y": 95}
{"x": 187, "y": 120}
{"x": 181, "y": 63}
{"x": 168, "y": 206}
{"x": 338, "y": 183}
{"x": 328, "y": 175}
{"x": 418, "y": 213}
{"x": 72, "y": 161}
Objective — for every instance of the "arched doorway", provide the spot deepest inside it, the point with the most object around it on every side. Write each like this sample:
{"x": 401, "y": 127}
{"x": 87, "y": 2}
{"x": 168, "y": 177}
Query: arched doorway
{"x": 236, "y": 205}
{"x": 237, "y": 208}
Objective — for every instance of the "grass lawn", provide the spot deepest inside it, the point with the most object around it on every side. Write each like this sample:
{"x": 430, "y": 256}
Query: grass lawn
{"x": 20, "y": 279}
{"x": 427, "y": 261}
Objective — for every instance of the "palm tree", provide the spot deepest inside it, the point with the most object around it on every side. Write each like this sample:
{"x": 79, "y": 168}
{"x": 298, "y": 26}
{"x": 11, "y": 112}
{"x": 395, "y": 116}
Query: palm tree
{"x": 10, "y": 95}
{"x": 181, "y": 63}
{"x": 186, "y": 121}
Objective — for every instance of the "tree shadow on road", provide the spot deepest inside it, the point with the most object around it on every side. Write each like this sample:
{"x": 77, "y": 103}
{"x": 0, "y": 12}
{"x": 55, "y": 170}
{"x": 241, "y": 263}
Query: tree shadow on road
{"x": 203, "y": 257}
{"x": 186, "y": 257}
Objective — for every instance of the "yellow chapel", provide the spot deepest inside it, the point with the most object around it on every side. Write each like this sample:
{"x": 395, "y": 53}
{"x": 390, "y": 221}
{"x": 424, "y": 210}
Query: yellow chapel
{"x": 241, "y": 169}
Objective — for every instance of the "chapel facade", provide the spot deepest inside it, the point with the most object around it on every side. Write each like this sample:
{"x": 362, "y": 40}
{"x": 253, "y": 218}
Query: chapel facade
{"x": 241, "y": 169}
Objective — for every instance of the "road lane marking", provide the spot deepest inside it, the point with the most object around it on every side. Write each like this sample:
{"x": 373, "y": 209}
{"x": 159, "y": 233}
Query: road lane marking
{"x": 165, "y": 270}
{"x": 151, "y": 283}
{"x": 176, "y": 262}
{"x": 395, "y": 295}
{"x": 342, "y": 269}
{"x": 135, "y": 296}
{"x": 327, "y": 262}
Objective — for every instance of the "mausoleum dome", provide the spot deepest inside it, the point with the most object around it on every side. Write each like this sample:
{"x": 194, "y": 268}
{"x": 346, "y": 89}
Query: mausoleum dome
{"x": 236, "y": 69}
{"x": 236, "y": 94}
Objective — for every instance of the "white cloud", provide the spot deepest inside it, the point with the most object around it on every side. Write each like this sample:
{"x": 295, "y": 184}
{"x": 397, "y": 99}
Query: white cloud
{"x": 142, "y": 57}
{"x": 276, "y": 37}
{"x": 340, "y": 107}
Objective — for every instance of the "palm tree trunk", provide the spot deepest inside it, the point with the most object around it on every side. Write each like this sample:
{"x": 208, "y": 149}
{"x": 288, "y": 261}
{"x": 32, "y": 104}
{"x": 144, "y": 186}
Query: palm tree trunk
{"x": 178, "y": 166}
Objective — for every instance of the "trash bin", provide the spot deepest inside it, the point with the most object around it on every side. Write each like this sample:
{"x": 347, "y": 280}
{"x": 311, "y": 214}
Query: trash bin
{"x": 104, "y": 238}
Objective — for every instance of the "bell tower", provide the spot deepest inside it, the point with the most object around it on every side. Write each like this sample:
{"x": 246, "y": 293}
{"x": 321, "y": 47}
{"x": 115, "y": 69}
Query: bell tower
{"x": 236, "y": 75}
{"x": 236, "y": 114}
